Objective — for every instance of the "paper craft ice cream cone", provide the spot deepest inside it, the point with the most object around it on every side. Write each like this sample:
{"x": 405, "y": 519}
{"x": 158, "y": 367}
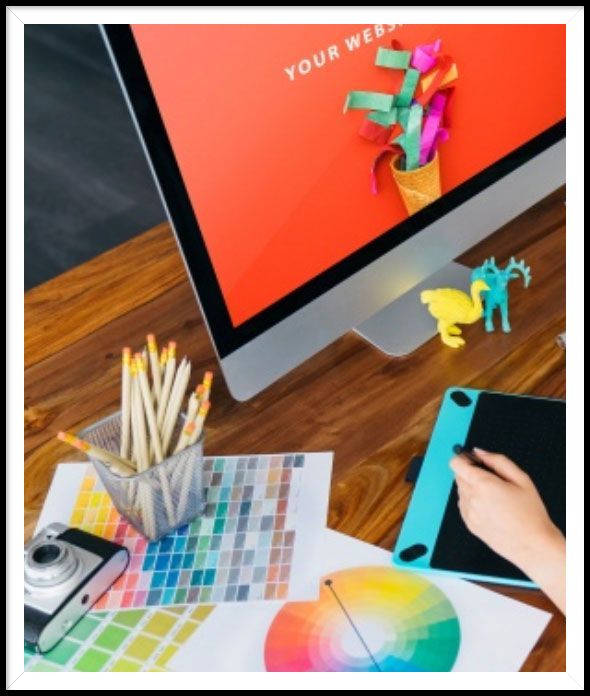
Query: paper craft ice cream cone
{"x": 418, "y": 187}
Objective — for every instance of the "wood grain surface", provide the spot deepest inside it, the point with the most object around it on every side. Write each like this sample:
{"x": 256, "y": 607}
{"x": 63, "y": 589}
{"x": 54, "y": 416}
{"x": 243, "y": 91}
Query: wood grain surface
{"x": 373, "y": 411}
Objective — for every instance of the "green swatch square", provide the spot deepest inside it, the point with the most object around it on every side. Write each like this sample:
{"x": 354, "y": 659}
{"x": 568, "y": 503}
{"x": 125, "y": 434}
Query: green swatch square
{"x": 203, "y": 543}
{"x": 111, "y": 638}
{"x": 129, "y": 618}
{"x": 83, "y": 628}
{"x": 92, "y": 661}
{"x": 205, "y": 595}
{"x": 44, "y": 666}
{"x": 63, "y": 652}
{"x": 180, "y": 597}
{"x": 200, "y": 559}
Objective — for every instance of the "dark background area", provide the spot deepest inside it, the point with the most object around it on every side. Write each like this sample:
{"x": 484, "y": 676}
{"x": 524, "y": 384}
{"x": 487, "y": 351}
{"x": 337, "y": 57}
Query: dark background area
{"x": 87, "y": 183}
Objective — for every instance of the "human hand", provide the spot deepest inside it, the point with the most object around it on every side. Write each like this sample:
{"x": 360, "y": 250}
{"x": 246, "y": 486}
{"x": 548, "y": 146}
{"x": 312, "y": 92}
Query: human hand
{"x": 504, "y": 509}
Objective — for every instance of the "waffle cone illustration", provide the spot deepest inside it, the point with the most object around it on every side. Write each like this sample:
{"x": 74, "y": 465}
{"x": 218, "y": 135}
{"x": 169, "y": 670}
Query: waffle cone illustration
{"x": 418, "y": 187}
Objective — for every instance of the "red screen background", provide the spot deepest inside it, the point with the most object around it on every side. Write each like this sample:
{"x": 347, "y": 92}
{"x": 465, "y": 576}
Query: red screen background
{"x": 276, "y": 173}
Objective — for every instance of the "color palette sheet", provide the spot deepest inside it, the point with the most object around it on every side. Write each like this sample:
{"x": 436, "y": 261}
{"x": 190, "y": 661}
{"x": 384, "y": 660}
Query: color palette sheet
{"x": 369, "y": 617}
{"x": 141, "y": 640}
{"x": 257, "y": 539}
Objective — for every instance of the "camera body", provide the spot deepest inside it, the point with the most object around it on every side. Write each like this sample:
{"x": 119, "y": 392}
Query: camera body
{"x": 66, "y": 571}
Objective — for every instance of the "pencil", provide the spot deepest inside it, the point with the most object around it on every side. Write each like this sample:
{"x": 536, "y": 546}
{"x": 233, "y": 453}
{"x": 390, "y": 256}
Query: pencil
{"x": 207, "y": 380}
{"x": 119, "y": 466}
{"x": 125, "y": 403}
{"x": 193, "y": 408}
{"x": 155, "y": 365}
{"x": 137, "y": 419}
{"x": 199, "y": 422}
{"x": 175, "y": 405}
{"x": 167, "y": 383}
{"x": 148, "y": 406}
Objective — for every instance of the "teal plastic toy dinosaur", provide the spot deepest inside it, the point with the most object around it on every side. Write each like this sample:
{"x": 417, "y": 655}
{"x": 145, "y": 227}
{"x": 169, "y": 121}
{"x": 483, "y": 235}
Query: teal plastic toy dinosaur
{"x": 497, "y": 296}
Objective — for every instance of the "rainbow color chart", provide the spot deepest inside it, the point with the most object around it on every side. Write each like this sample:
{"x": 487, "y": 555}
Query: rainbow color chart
{"x": 125, "y": 641}
{"x": 258, "y": 531}
{"x": 374, "y": 619}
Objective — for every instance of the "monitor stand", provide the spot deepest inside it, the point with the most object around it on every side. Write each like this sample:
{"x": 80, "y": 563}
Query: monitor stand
{"x": 405, "y": 324}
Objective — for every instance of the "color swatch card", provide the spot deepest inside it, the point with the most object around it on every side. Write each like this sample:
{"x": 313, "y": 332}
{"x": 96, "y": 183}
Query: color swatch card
{"x": 141, "y": 640}
{"x": 257, "y": 539}
{"x": 370, "y": 616}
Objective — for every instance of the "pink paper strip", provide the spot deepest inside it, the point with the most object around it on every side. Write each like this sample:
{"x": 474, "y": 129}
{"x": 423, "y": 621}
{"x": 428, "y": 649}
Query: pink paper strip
{"x": 431, "y": 126}
{"x": 424, "y": 58}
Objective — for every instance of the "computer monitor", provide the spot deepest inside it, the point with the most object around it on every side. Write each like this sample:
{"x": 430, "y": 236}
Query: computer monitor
{"x": 288, "y": 238}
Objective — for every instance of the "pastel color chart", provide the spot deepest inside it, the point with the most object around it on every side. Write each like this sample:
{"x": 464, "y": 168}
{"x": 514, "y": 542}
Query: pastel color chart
{"x": 125, "y": 641}
{"x": 252, "y": 542}
{"x": 370, "y": 619}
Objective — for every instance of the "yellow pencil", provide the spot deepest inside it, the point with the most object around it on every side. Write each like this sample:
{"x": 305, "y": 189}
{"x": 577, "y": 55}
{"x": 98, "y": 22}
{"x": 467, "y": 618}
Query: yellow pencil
{"x": 148, "y": 406}
{"x": 138, "y": 423}
{"x": 122, "y": 467}
{"x": 155, "y": 365}
{"x": 193, "y": 408}
{"x": 167, "y": 383}
{"x": 207, "y": 380}
{"x": 175, "y": 404}
{"x": 125, "y": 403}
{"x": 199, "y": 422}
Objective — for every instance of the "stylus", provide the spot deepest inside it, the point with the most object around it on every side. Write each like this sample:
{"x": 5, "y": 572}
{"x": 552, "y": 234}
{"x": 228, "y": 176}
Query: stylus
{"x": 459, "y": 449}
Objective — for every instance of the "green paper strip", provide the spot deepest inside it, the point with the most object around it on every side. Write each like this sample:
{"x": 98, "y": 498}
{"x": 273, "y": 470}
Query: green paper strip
{"x": 408, "y": 88}
{"x": 387, "y": 58}
{"x": 384, "y": 118}
{"x": 409, "y": 141}
{"x": 374, "y": 101}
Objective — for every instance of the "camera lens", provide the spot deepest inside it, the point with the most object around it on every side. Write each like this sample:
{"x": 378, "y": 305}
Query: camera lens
{"x": 46, "y": 554}
{"x": 49, "y": 564}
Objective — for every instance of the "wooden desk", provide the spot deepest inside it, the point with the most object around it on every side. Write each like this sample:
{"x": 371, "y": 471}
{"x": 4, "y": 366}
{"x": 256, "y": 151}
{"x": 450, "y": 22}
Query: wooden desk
{"x": 374, "y": 412}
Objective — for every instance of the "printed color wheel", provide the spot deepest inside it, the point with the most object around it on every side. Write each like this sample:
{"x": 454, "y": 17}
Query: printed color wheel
{"x": 371, "y": 619}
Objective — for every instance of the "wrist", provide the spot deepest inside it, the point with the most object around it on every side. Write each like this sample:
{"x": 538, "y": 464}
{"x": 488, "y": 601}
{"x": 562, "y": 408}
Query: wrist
{"x": 542, "y": 551}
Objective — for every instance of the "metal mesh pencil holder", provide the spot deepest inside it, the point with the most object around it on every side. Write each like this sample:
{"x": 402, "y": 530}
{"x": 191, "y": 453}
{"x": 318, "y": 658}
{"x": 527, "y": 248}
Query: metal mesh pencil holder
{"x": 160, "y": 499}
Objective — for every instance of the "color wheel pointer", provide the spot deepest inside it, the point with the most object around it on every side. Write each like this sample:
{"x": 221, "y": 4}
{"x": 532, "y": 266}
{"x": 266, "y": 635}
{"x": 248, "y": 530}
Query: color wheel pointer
{"x": 330, "y": 585}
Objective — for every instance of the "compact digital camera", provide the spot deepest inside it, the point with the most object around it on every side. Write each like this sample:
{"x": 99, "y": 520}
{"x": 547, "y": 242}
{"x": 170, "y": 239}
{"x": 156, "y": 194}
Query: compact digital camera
{"x": 66, "y": 571}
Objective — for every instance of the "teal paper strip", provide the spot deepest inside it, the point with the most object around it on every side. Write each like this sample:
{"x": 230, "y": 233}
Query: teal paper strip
{"x": 384, "y": 118}
{"x": 409, "y": 141}
{"x": 408, "y": 88}
{"x": 398, "y": 60}
{"x": 374, "y": 101}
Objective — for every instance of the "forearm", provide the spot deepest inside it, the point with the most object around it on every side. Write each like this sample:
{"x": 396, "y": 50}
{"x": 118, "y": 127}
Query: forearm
{"x": 546, "y": 567}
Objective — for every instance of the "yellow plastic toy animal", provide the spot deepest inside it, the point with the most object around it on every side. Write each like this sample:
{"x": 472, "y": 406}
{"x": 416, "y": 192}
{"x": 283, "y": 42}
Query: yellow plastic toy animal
{"x": 450, "y": 307}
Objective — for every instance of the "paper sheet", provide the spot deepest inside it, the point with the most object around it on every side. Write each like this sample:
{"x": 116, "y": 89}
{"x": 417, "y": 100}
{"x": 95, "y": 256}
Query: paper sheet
{"x": 254, "y": 542}
{"x": 494, "y": 633}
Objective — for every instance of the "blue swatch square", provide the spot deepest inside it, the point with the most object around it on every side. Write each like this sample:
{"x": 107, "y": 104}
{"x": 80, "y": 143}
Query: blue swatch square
{"x": 172, "y": 579}
{"x": 179, "y": 544}
{"x": 168, "y": 595}
{"x": 166, "y": 544}
{"x": 209, "y": 577}
{"x": 243, "y": 591}
{"x": 197, "y": 577}
{"x": 153, "y": 597}
{"x": 158, "y": 580}
{"x": 176, "y": 561}
{"x": 149, "y": 562}
{"x": 188, "y": 560}
{"x": 163, "y": 561}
